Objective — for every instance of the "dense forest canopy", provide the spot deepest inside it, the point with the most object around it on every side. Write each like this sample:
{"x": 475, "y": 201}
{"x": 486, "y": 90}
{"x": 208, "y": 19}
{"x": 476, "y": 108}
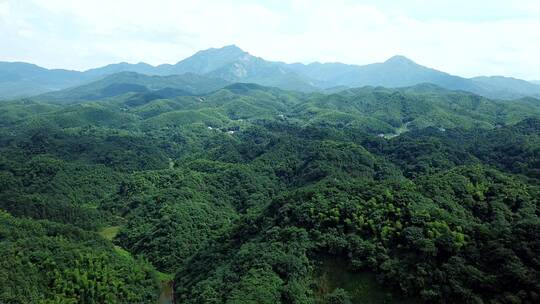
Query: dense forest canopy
{"x": 250, "y": 194}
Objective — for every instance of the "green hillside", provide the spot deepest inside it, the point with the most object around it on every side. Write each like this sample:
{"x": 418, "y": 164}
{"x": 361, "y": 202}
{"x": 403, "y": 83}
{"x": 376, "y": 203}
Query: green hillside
{"x": 240, "y": 193}
{"x": 129, "y": 82}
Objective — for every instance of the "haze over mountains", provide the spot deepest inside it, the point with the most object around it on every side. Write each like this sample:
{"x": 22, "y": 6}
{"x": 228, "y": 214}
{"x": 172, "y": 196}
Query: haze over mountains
{"x": 231, "y": 64}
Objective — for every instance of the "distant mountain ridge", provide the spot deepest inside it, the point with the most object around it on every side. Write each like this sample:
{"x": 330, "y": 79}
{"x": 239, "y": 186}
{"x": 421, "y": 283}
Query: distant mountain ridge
{"x": 19, "y": 79}
{"x": 233, "y": 64}
{"x": 151, "y": 86}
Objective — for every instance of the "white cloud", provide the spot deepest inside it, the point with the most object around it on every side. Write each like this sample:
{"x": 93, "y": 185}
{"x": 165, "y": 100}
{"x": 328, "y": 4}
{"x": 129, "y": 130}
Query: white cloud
{"x": 493, "y": 37}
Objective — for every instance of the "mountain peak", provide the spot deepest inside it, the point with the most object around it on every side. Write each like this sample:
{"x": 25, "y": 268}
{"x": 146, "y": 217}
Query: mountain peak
{"x": 399, "y": 59}
{"x": 208, "y": 60}
{"x": 228, "y": 50}
{"x": 232, "y": 47}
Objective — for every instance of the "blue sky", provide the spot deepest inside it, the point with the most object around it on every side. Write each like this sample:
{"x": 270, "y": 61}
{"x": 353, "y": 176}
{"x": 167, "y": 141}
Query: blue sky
{"x": 466, "y": 38}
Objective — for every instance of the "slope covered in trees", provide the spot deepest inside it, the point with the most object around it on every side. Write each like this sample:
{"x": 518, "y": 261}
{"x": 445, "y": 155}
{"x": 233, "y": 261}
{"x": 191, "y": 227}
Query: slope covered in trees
{"x": 249, "y": 194}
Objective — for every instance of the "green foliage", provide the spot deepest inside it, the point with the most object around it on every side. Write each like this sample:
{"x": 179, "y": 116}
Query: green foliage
{"x": 338, "y": 296}
{"x": 246, "y": 192}
{"x": 53, "y": 263}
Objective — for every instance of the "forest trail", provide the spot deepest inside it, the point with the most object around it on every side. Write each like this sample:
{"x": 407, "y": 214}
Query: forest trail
{"x": 166, "y": 295}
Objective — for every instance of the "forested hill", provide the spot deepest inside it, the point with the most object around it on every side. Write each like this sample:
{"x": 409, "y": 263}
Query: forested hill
{"x": 241, "y": 193}
{"x": 130, "y": 82}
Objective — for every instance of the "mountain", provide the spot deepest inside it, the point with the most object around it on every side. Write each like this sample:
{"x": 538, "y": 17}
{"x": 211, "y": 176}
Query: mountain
{"x": 229, "y": 63}
{"x": 141, "y": 68}
{"x": 397, "y": 71}
{"x": 233, "y": 64}
{"x": 23, "y": 79}
{"x": 207, "y": 61}
{"x": 154, "y": 87}
{"x": 400, "y": 71}
{"x": 202, "y": 62}
{"x": 507, "y": 86}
